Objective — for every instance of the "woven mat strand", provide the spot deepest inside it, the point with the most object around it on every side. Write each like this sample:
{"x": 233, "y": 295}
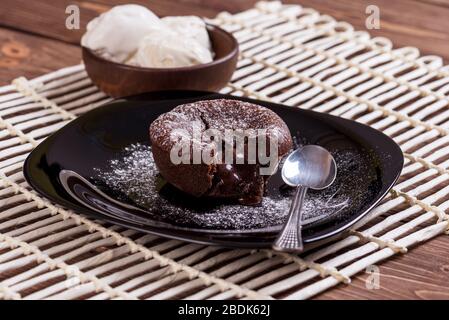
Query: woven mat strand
{"x": 290, "y": 55}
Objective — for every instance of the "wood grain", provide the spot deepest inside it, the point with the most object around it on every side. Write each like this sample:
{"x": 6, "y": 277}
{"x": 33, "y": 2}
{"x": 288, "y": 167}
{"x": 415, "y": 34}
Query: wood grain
{"x": 406, "y": 23}
{"x": 34, "y": 41}
{"x": 26, "y": 55}
{"x": 422, "y": 24}
{"x": 422, "y": 273}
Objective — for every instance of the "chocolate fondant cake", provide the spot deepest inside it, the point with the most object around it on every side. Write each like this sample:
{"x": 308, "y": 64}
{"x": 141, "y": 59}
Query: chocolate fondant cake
{"x": 219, "y": 179}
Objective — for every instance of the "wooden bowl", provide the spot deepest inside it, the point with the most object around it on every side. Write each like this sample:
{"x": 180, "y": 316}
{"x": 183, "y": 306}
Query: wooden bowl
{"x": 120, "y": 80}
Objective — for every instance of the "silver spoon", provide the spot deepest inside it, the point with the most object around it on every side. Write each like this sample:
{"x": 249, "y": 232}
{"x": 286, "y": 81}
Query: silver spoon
{"x": 312, "y": 167}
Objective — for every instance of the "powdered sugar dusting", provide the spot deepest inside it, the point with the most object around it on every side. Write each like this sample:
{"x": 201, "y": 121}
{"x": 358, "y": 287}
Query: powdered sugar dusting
{"x": 133, "y": 177}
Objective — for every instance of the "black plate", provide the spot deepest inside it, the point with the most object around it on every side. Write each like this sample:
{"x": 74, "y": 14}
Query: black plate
{"x": 62, "y": 168}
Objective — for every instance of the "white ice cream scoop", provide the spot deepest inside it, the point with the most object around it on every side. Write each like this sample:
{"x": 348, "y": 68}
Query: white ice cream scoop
{"x": 190, "y": 27}
{"x": 116, "y": 34}
{"x": 167, "y": 49}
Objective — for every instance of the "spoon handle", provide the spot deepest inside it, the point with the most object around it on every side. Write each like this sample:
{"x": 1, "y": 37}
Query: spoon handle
{"x": 290, "y": 238}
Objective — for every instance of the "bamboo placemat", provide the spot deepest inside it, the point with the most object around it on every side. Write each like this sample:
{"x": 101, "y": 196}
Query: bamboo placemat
{"x": 291, "y": 55}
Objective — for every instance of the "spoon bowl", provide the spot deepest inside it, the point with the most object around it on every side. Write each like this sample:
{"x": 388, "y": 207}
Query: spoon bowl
{"x": 310, "y": 166}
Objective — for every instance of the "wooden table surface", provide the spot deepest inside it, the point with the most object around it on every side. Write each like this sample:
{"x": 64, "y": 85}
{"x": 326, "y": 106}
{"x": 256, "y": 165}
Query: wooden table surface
{"x": 34, "y": 41}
